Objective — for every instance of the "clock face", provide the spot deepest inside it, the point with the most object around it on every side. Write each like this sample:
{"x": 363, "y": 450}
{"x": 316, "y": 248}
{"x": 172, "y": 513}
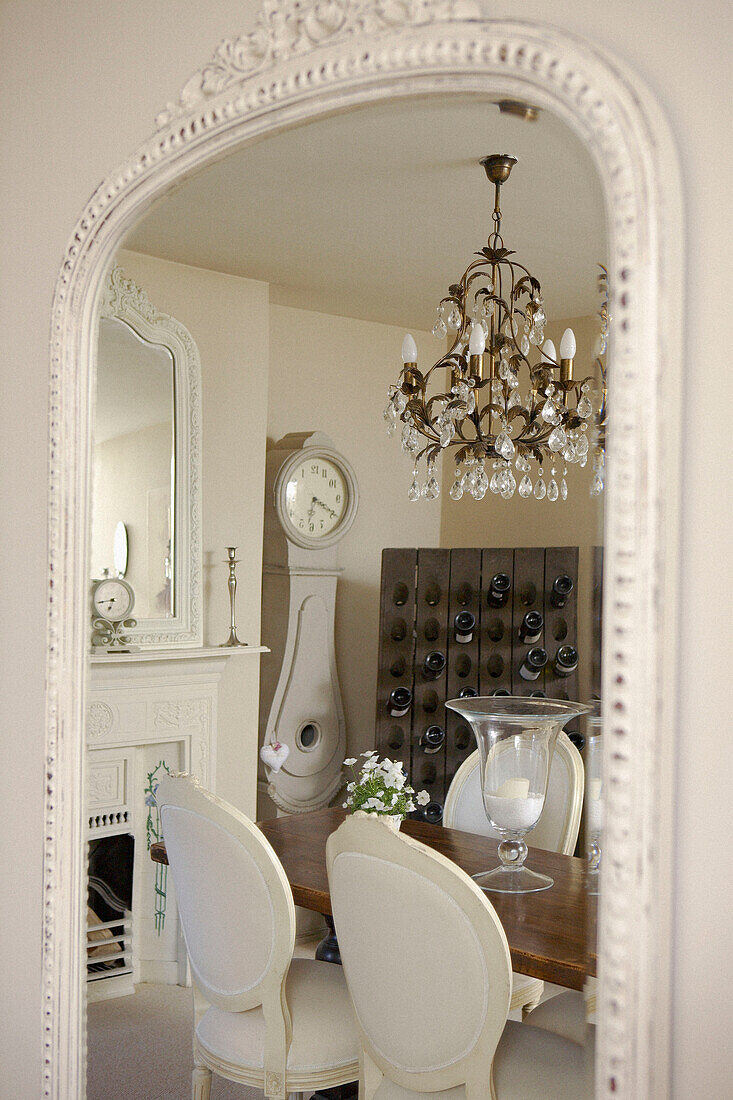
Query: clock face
{"x": 316, "y": 497}
{"x": 113, "y": 599}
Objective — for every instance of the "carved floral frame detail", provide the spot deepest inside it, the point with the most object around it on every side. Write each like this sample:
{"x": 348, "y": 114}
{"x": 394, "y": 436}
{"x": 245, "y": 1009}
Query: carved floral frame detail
{"x": 307, "y": 58}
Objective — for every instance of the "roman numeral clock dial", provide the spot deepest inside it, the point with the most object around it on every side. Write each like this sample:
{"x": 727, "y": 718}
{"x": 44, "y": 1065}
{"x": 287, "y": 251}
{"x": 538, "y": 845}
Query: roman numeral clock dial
{"x": 315, "y": 497}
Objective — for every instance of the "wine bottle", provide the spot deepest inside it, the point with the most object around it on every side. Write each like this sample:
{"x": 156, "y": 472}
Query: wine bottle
{"x": 400, "y": 701}
{"x": 562, "y": 586}
{"x": 432, "y": 739}
{"x": 566, "y": 660}
{"x": 499, "y": 589}
{"x": 533, "y": 663}
{"x": 538, "y": 694}
{"x": 531, "y": 626}
{"x": 501, "y": 691}
{"x": 433, "y": 665}
{"x": 398, "y": 630}
{"x": 467, "y": 693}
{"x": 464, "y": 624}
{"x": 432, "y": 813}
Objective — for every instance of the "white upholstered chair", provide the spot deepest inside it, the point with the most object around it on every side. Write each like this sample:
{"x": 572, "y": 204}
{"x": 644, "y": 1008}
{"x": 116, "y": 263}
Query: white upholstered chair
{"x": 556, "y": 830}
{"x": 262, "y": 1018}
{"x": 427, "y": 965}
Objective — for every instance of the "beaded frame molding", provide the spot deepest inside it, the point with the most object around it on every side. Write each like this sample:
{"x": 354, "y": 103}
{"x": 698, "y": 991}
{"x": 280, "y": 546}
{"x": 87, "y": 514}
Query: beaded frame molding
{"x": 302, "y": 60}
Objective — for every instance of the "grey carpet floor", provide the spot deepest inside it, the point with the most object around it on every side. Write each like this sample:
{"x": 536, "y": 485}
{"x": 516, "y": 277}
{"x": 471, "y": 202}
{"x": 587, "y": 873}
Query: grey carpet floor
{"x": 140, "y": 1048}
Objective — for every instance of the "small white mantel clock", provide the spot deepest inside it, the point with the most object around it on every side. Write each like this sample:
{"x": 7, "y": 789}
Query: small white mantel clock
{"x": 311, "y": 498}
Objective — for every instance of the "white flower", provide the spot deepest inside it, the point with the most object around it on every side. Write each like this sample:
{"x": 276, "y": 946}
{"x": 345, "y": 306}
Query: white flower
{"x": 374, "y": 804}
{"x": 350, "y": 761}
{"x": 397, "y": 779}
{"x": 370, "y": 765}
{"x": 423, "y": 798}
{"x": 345, "y": 805}
{"x": 372, "y": 752}
{"x": 395, "y": 797}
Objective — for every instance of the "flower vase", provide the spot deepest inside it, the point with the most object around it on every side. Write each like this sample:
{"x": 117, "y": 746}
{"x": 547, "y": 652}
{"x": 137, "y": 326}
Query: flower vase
{"x": 392, "y": 821}
{"x": 516, "y": 738}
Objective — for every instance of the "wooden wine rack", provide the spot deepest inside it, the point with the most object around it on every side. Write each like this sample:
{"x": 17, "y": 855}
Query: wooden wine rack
{"x": 422, "y": 591}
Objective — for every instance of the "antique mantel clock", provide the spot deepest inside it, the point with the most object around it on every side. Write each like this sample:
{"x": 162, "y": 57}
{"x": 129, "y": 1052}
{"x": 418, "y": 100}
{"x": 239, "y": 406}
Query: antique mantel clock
{"x": 112, "y": 602}
{"x": 311, "y": 498}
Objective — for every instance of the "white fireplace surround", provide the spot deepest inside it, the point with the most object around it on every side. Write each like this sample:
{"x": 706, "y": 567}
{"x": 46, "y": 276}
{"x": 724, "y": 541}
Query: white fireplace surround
{"x": 144, "y": 708}
{"x": 304, "y": 59}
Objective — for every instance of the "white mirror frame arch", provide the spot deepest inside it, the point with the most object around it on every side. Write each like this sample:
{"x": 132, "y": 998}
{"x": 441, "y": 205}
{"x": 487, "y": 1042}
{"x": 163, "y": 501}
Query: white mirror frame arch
{"x": 306, "y": 59}
{"x": 123, "y": 300}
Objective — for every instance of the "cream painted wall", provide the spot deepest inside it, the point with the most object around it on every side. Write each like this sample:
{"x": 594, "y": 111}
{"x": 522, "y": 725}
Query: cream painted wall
{"x": 331, "y": 374}
{"x": 226, "y": 316}
{"x": 79, "y": 86}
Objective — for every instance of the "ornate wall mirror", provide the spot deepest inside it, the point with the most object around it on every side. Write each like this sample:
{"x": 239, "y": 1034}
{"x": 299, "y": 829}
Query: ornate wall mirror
{"x": 304, "y": 62}
{"x": 146, "y": 462}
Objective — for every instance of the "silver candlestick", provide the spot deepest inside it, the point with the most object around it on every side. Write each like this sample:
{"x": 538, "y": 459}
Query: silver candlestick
{"x": 232, "y": 562}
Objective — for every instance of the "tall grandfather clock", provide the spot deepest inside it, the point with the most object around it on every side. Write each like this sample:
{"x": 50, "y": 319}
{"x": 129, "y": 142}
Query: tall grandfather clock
{"x": 311, "y": 497}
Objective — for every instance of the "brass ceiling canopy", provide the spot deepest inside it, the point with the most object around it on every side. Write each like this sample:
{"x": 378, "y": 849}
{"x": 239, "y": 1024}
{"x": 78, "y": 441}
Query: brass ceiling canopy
{"x": 498, "y": 166}
{"x": 500, "y": 406}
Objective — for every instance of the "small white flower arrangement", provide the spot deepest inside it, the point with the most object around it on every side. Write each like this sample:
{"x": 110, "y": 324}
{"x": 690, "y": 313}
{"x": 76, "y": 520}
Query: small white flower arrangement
{"x": 381, "y": 788}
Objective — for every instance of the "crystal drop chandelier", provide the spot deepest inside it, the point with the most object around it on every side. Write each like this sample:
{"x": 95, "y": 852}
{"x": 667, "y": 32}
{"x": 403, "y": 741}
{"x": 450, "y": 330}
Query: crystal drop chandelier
{"x": 497, "y": 408}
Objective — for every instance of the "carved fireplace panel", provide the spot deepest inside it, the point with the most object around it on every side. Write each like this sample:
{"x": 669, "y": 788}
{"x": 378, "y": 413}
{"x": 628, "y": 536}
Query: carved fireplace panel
{"x": 146, "y": 714}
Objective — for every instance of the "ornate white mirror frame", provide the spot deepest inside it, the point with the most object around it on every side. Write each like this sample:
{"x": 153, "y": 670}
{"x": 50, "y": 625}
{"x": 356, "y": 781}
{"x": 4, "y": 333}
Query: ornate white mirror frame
{"x": 305, "y": 59}
{"x": 123, "y": 300}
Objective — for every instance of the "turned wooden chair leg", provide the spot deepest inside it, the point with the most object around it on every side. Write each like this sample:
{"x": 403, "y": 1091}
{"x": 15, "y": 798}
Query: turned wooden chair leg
{"x": 200, "y": 1083}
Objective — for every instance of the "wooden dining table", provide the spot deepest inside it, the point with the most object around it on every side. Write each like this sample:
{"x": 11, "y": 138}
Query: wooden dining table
{"x": 551, "y": 933}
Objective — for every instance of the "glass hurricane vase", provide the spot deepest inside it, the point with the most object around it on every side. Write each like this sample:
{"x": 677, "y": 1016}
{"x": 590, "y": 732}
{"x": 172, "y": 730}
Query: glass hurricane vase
{"x": 516, "y": 738}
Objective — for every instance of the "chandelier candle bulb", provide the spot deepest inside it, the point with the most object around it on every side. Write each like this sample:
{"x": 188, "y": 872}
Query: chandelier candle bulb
{"x": 568, "y": 345}
{"x": 567, "y": 354}
{"x": 549, "y": 355}
{"x": 409, "y": 351}
{"x": 476, "y": 348}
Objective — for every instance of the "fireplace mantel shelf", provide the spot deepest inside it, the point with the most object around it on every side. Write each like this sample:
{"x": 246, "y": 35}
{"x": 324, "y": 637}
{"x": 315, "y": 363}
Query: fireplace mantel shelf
{"x": 150, "y": 655}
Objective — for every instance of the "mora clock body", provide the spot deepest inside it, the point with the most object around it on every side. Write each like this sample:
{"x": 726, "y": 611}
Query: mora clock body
{"x": 311, "y": 498}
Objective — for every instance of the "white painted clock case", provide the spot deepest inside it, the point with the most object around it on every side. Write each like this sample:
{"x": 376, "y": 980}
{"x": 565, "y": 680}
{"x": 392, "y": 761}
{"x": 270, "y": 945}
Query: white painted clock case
{"x": 299, "y": 683}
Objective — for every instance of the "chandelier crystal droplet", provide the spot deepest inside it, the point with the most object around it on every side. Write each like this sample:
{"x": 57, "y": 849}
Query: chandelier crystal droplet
{"x": 499, "y": 407}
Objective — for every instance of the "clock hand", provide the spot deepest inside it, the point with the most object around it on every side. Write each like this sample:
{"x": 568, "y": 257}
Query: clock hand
{"x": 311, "y": 510}
{"x": 317, "y": 501}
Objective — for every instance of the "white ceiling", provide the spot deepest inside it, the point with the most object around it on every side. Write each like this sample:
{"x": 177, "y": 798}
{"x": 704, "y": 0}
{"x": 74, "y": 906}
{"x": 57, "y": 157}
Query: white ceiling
{"x": 372, "y": 213}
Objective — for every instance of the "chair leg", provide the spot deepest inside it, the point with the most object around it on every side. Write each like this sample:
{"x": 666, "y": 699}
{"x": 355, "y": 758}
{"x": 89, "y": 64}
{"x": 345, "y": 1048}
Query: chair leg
{"x": 200, "y": 1083}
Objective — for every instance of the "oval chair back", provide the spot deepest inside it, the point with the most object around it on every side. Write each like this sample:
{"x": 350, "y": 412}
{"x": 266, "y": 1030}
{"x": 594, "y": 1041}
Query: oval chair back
{"x": 558, "y": 827}
{"x": 235, "y": 905}
{"x": 425, "y": 958}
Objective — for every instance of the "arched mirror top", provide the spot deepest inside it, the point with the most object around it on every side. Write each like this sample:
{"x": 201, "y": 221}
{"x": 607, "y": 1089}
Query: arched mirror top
{"x": 148, "y": 468}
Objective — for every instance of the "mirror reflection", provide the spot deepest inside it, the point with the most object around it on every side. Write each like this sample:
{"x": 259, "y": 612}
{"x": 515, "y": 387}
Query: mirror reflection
{"x": 299, "y": 264}
{"x": 134, "y": 467}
